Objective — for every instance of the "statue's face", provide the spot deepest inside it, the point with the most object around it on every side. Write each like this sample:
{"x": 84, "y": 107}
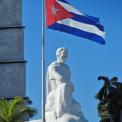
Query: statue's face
{"x": 62, "y": 56}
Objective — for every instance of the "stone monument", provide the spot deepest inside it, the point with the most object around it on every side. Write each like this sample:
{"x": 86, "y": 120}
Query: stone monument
{"x": 12, "y": 63}
{"x": 60, "y": 104}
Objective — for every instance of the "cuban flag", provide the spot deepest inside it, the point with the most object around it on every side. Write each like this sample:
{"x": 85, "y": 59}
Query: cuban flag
{"x": 60, "y": 15}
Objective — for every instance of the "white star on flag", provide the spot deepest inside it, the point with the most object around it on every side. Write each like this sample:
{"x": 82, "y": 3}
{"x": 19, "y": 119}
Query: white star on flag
{"x": 54, "y": 9}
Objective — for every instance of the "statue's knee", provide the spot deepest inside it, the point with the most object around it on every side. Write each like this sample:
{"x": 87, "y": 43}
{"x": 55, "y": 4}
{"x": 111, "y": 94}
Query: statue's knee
{"x": 64, "y": 86}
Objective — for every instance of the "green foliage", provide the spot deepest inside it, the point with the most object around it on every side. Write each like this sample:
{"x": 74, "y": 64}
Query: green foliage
{"x": 103, "y": 112}
{"x": 15, "y": 110}
{"x": 110, "y": 100}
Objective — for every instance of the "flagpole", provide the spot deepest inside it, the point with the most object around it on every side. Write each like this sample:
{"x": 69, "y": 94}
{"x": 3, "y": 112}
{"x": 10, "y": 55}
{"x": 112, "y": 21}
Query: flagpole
{"x": 43, "y": 61}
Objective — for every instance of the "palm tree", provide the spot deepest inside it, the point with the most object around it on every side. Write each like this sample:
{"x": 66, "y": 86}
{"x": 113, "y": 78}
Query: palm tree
{"x": 110, "y": 100}
{"x": 15, "y": 110}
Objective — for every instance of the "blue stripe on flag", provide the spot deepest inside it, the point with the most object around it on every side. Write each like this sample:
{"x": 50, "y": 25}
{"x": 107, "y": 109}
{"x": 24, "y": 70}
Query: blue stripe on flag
{"x": 90, "y": 17}
{"x": 86, "y": 20}
{"x": 78, "y": 32}
{"x": 63, "y": 1}
{"x": 93, "y": 18}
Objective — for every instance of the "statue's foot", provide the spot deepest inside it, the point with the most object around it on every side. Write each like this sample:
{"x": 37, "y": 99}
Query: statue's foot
{"x": 71, "y": 118}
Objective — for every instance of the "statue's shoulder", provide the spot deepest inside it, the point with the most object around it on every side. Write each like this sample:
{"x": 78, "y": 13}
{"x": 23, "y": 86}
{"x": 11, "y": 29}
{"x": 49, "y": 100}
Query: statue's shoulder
{"x": 52, "y": 65}
{"x": 55, "y": 65}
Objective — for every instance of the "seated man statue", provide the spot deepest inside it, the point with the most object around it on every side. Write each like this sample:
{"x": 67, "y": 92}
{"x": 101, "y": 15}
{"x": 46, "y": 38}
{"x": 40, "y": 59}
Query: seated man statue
{"x": 60, "y": 105}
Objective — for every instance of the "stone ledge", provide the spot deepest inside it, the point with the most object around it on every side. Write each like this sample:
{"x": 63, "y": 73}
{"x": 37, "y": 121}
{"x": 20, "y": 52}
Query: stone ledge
{"x": 11, "y": 27}
{"x": 12, "y": 61}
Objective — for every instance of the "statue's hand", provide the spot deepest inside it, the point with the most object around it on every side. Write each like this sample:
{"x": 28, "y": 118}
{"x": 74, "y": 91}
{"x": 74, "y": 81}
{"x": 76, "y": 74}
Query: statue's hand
{"x": 61, "y": 80}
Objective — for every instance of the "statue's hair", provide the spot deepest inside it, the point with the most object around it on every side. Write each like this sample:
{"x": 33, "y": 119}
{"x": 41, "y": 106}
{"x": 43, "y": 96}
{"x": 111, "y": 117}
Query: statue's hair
{"x": 58, "y": 51}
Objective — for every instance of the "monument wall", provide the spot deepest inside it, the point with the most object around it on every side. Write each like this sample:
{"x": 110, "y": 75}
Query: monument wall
{"x": 12, "y": 63}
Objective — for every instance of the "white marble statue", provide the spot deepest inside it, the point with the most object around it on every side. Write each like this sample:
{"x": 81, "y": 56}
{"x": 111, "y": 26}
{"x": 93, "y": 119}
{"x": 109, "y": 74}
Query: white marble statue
{"x": 60, "y": 105}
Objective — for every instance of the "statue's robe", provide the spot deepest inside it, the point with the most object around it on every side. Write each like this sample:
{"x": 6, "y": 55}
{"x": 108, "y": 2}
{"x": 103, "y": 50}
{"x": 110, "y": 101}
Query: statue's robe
{"x": 59, "y": 93}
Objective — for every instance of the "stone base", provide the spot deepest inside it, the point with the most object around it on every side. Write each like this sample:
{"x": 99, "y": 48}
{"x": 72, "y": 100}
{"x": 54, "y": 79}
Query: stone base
{"x": 51, "y": 117}
{"x": 65, "y": 118}
{"x": 39, "y": 120}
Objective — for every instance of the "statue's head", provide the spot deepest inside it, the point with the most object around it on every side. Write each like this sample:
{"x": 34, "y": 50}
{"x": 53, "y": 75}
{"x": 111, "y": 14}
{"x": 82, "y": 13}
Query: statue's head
{"x": 62, "y": 54}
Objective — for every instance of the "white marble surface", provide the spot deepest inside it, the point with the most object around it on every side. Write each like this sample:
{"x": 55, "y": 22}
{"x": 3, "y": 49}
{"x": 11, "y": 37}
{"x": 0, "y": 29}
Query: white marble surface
{"x": 60, "y": 104}
{"x": 39, "y": 120}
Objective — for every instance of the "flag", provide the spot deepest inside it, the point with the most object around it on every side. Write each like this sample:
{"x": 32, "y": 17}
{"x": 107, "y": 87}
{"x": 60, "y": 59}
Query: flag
{"x": 62, "y": 16}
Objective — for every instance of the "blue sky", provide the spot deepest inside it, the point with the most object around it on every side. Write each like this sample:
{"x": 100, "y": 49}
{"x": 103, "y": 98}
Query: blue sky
{"x": 87, "y": 59}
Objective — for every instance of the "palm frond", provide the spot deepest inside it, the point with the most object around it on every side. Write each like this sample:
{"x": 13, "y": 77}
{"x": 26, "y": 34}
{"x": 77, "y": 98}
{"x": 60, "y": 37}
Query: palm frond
{"x": 106, "y": 79}
{"x": 25, "y": 112}
{"x": 110, "y": 99}
{"x": 114, "y": 79}
{"x": 15, "y": 110}
{"x": 100, "y": 93}
{"x": 13, "y": 103}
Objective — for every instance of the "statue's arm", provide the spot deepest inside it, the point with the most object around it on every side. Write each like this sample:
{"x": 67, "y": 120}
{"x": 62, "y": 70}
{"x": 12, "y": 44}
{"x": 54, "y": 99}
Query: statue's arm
{"x": 51, "y": 84}
{"x": 58, "y": 76}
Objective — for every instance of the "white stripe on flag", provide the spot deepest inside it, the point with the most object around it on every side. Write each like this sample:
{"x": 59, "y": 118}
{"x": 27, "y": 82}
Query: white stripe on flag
{"x": 82, "y": 26}
{"x": 69, "y": 8}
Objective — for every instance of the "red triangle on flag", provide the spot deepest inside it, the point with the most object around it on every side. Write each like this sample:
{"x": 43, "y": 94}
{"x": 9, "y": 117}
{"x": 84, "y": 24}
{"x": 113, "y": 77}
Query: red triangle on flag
{"x": 55, "y": 12}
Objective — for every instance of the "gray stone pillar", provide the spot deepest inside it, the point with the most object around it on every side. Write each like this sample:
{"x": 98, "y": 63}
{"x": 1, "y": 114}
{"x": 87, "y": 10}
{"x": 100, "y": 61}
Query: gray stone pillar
{"x": 12, "y": 63}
